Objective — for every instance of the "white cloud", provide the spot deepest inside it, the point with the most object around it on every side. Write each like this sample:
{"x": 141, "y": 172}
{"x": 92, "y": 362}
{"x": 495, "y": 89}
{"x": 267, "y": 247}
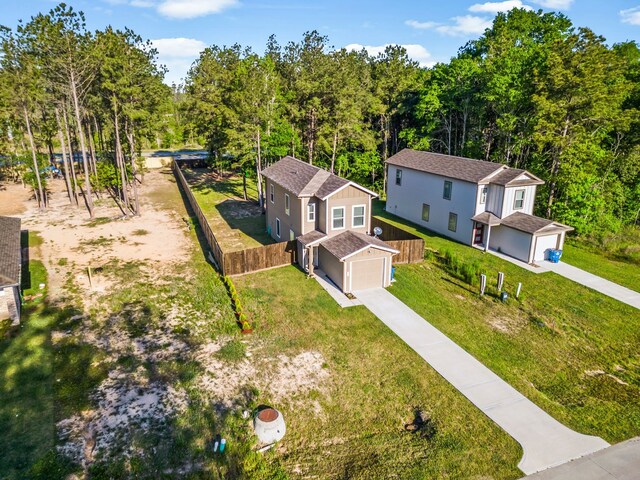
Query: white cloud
{"x": 465, "y": 25}
{"x": 421, "y": 25}
{"x": 631, "y": 15}
{"x": 414, "y": 51}
{"x": 496, "y": 7}
{"x": 193, "y": 8}
{"x": 177, "y": 54}
{"x": 554, "y": 4}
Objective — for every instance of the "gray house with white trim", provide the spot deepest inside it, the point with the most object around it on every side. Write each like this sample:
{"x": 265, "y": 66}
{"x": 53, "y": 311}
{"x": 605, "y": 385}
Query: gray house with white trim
{"x": 330, "y": 217}
{"x": 10, "y": 268}
{"x": 479, "y": 203}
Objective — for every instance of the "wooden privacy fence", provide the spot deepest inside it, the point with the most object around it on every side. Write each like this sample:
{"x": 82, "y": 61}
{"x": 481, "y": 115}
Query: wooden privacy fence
{"x": 242, "y": 261}
{"x": 411, "y": 247}
{"x": 260, "y": 258}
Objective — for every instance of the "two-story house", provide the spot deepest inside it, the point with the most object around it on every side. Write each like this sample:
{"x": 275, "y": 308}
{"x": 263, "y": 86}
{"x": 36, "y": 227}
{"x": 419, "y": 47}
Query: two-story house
{"x": 330, "y": 217}
{"x": 475, "y": 202}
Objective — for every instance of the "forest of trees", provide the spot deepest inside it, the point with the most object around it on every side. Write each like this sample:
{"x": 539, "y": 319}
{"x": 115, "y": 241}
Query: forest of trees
{"x": 93, "y": 97}
{"x": 533, "y": 92}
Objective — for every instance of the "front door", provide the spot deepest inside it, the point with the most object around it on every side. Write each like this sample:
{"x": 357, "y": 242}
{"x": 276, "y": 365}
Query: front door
{"x": 479, "y": 234}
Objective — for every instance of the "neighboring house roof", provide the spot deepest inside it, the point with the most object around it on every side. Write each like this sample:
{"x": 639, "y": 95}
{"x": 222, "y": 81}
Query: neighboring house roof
{"x": 532, "y": 224}
{"x": 10, "y": 254}
{"x": 461, "y": 168}
{"x": 312, "y": 237}
{"x": 487, "y": 218}
{"x": 445, "y": 165}
{"x": 349, "y": 243}
{"x": 304, "y": 180}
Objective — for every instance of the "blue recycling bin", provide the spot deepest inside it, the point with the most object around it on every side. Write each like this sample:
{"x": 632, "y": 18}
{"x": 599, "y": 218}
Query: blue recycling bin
{"x": 554, "y": 255}
{"x": 393, "y": 273}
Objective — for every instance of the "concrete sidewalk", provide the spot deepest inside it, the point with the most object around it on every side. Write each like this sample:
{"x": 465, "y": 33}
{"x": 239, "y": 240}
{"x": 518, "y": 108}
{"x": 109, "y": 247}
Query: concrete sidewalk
{"x": 545, "y": 441}
{"x": 619, "y": 462}
{"x": 594, "y": 282}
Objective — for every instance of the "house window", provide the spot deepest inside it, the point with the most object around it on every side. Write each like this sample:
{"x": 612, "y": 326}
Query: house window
{"x": 448, "y": 186}
{"x": 311, "y": 212}
{"x": 453, "y": 221}
{"x": 292, "y": 235}
{"x": 337, "y": 218}
{"x": 278, "y": 227}
{"x": 425, "y": 212}
{"x": 287, "y": 203}
{"x": 358, "y": 216}
{"x": 483, "y": 195}
{"x": 519, "y": 200}
{"x": 271, "y": 194}
{"x": 398, "y": 177}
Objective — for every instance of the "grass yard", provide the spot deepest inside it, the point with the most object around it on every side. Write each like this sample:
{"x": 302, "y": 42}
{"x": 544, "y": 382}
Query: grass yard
{"x": 354, "y": 426}
{"x": 623, "y": 273}
{"x": 236, "y": 223}
{"x": 571, "y": 350}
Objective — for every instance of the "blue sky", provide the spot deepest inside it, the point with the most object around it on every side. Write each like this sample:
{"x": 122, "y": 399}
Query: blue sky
{"x": 431, "y": 30}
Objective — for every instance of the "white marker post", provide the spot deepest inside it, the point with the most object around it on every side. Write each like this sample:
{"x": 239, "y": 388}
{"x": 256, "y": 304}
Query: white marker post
{"x": 500, "y": 281}
{"x": 483, "y": 283}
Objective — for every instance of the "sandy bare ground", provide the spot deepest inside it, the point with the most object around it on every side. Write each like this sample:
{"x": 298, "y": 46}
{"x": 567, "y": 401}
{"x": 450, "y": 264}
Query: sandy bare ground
{"x": 13, "y": 199}
{"x": 160, "y": 244}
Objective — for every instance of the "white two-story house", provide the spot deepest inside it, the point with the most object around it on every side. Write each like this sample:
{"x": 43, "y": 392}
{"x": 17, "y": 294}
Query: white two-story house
{"x": 479, "y": 203}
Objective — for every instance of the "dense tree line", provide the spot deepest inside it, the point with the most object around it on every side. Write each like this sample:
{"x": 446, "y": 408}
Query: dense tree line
{"x": 96, "y": 97}
{"x": 533, "y": 92}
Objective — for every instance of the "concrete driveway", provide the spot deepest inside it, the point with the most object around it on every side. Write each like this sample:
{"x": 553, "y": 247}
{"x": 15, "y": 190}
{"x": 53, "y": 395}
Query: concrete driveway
{"x": 594, "y": 282}
{"x": 545, "y": 441}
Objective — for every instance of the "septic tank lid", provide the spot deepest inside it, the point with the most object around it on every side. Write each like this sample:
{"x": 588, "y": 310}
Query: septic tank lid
{"x": 268, "y": 415}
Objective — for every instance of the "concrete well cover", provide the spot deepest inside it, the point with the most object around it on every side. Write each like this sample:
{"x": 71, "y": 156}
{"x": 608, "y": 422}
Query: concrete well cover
{"x": 269, "y": 425}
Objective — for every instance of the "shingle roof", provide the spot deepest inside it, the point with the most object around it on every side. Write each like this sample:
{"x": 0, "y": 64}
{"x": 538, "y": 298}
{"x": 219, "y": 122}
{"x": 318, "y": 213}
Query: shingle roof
{"x": 311, "y": 237}
{"x": 487, "y": 218}
{"x": 347, "y": 243}
{"x": 460, "y": 168}
{"x": 9, "y": 251}
{"x": 532, "y": 224}
{"x": 509, "y": 176}
{"x": 304, "y": 180}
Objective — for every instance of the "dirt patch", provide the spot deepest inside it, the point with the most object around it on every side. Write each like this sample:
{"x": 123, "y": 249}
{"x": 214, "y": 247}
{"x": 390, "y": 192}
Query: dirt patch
{"x": 14, "y": 198}
{"x": 507, "y": 324}
{"x": 283, "y": 377}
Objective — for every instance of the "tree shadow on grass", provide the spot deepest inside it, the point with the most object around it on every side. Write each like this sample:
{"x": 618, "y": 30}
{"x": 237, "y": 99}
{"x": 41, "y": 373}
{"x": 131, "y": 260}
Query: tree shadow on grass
{"x": 246, "y": 217}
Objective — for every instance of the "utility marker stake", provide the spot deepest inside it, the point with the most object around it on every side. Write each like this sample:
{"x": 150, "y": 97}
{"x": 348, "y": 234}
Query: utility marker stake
{"x": 518, "y": 289}
{"x": 500, "y": 280}
{"x": 483, "y": 283}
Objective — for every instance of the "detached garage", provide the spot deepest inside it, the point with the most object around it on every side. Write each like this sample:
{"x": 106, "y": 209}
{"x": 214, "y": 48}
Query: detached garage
{"x": 355, "y": 261}
{"x": 527, "y": 238}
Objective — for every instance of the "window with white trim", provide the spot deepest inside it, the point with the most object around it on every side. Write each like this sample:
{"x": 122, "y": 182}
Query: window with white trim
{"x": 278, "y": 227}
{"x": 425, "y": 212}
{"x": 271, "y": 193}
{"x": 483, "y": 195}
{"x": 453, "y": 222}
{"x": 518, "y": 202}
{"x": 398, "y": 176}
{"x": 337, "y": 218}
{"x": 448, "y": 187}
{"x": 311, "y": 212}
{"x": 357, "y": 219}
{"x": 287, "y": 204}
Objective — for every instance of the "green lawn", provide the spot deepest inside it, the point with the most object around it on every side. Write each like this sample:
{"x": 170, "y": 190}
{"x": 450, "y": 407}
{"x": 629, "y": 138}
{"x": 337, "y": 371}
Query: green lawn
{"x": 571, "y": 350}
{"x": 237, "y": 224}
{"x": 623, "y": 273}
{"x": 376, "y": 382}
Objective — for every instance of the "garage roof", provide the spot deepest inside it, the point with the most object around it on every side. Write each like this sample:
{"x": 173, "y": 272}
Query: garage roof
{"x": 10, "y": 263}
{"x": 349, "y": 243}
{"x": 532, "y": 224}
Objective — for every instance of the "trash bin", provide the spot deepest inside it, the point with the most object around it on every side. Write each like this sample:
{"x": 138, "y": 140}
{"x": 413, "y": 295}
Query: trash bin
{"x": 393, "y": 273}
{"x": 554, "y": 255}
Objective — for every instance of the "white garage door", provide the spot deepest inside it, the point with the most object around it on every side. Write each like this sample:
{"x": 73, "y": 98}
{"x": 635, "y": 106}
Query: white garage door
{"x": 543, "y": 244}
{"x": 367, "y": 273}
